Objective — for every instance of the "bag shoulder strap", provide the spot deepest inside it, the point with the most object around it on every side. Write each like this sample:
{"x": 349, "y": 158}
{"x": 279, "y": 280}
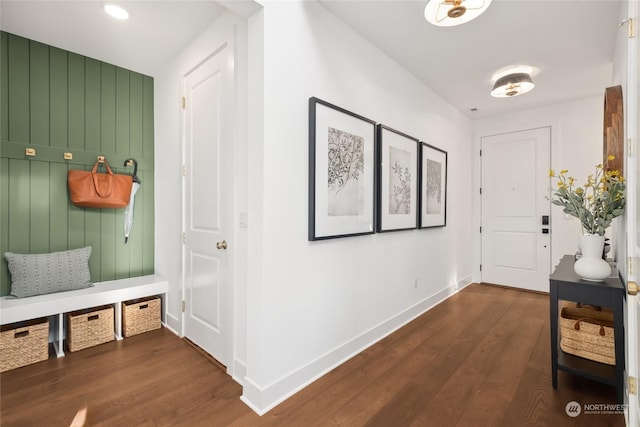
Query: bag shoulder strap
{"x": 96, "y": 181}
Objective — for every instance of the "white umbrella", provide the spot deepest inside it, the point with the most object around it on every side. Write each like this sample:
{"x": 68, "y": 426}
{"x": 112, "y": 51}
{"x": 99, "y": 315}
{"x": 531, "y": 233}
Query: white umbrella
{"x": 128, "y": 212}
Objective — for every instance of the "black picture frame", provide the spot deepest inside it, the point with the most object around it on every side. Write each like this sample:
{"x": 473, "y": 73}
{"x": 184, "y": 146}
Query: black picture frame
{"x": 433, "y": 186}
{"x": 342, "y": 173}
{"x": 398, "y": 180}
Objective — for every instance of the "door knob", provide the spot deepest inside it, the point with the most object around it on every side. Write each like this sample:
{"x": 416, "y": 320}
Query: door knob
{"x": 222, "y": 245}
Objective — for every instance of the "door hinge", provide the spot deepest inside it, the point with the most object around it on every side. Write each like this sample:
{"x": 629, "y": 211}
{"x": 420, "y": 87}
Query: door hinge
{"x": 184, "y": 238}
{"x": 184, "y": 170}
{"x": 631, "y": 152}
{"x": 184, "y": 103}
{"x": 630, "y": 27}
{"x": 481, "y": 229}
{"x": 633, "y": 388}
{"x": 480, "y": 190}
{"x": 480, "y": 267}
{"x": 183, "y": 306}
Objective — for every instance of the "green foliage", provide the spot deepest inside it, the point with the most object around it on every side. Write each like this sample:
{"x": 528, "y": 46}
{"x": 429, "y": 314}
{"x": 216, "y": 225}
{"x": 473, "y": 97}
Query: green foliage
{"x": 596, "y": 203}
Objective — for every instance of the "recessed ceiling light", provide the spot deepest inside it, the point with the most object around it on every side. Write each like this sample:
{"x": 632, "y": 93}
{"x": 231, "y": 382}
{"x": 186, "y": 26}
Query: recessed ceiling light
{"x": 116, "y": 11}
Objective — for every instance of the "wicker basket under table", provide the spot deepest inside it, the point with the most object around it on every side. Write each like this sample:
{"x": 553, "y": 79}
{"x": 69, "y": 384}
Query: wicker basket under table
{"x": 87, "y": 328}
{"x": 140, "y": 316}
{"x": 24, "y": 343}
{"x": 587, "y": 332}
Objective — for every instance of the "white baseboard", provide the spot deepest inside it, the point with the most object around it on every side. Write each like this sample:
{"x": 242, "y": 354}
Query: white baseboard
{"x": 464, "y": 282}
{"x": 174, "y": 324}
{"x": 262, "y": 399}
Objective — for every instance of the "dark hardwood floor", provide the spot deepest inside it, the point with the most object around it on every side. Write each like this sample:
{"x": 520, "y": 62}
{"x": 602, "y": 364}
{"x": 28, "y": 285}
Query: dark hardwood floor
{"x": 481, "y": 358}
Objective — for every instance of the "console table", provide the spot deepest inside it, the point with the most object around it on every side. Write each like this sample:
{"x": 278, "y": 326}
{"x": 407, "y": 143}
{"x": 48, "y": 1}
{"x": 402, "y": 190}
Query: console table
{"x": 566, "y": 285}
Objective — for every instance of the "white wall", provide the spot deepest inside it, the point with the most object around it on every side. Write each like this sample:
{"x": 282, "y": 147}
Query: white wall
{"x": 168, "y": 160}
{"x": 312, "y": 305}
{"x": 576, "y": 145}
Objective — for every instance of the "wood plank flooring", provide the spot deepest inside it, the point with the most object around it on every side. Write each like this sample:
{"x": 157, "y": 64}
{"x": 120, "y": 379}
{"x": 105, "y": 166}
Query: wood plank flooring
{"x": 481, "y": 358}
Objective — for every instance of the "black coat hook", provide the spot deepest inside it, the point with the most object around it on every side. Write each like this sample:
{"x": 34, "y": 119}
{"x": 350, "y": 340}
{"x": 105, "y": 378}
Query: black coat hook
{"x": 129, "y": 162}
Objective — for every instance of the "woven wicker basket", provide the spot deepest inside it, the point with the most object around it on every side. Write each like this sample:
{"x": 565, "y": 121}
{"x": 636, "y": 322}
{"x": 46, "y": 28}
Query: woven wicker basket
{"x": 140, "y": 316}
{"x": 87, "y": 328}
{"x": 587, "y": 332}
{"x": 23, "y": 344}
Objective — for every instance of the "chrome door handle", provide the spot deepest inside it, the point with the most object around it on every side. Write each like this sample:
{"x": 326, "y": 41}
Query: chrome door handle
{"x": 222, "y": 245}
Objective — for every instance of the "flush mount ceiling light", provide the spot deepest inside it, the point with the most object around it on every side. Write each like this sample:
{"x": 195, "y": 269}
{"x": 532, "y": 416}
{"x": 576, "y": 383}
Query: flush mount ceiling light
{"x": 447, "y": 13}
{"x": 512, "y": 85}
{"x": 116, "y": 11}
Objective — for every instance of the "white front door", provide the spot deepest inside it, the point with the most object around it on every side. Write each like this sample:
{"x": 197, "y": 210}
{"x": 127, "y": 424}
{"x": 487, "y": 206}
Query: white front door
{"x": 516, "y": 249}
{"x": 207, "y": 174}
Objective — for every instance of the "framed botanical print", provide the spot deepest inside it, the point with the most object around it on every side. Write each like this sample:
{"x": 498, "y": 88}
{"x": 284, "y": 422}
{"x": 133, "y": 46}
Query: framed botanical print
{"x": 397, "y": 180}
{"x": 341, "y": 172}
{"x": 433, "y": 186}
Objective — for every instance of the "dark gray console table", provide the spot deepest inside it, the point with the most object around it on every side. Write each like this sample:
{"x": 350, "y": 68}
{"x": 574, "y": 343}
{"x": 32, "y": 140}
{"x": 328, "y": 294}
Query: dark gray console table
{"x": 565, "y": 285}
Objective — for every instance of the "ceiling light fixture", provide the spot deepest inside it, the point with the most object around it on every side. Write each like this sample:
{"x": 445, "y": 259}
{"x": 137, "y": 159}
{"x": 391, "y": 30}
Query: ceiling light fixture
{"x": 447, "y": 13}
{"x": 116, "y": 11}
{"x": 512, "y": 85}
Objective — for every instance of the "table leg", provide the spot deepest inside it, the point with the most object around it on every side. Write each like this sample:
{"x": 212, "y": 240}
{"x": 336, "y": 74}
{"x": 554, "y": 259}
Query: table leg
{"x": 618, "y": 332}
{"x": 553, "y": 321}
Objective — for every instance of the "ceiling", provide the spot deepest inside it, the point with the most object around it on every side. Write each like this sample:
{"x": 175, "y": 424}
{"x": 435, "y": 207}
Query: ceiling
{"x": 155, "y": 32}
{"x": 569, "y": 43}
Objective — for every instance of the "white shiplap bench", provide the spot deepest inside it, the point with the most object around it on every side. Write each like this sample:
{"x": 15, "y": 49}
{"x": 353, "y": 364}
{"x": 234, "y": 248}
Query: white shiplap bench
{"x": 14, "y": 310}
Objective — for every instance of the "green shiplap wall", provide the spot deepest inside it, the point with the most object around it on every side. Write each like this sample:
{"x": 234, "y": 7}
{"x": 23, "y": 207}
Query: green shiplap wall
{"x": 55, "y": 102}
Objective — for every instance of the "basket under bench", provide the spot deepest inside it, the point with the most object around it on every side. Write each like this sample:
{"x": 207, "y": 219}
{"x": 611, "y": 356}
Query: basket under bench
{"x": 116, "y": 292}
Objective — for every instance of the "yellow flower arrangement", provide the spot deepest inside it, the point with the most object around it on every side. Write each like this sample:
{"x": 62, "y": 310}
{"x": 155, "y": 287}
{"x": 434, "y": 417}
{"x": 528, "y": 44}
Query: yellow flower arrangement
{"x": 596, "y": 203}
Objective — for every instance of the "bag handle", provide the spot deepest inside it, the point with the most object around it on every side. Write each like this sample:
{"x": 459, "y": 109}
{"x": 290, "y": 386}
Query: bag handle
{"x": 576, "y": 326}
{"x": 106, "y": 166}
{"x": 595, "y": 307}
{"x": 95, "y": 178}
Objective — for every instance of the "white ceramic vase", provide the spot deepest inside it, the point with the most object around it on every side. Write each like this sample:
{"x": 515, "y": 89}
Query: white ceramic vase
{"x": 591, "y": 266}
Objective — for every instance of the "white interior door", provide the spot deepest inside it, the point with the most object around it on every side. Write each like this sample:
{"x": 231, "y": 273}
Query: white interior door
{"x": 516, "y": 250}
{"x": 207, "y": 206}
{"x": 632, "y": 174}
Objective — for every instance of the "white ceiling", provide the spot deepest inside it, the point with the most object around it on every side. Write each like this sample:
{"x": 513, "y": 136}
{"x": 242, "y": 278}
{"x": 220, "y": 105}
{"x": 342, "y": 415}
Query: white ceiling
{"x": 570, "y": 43}
{"x": 154, "y": 34}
